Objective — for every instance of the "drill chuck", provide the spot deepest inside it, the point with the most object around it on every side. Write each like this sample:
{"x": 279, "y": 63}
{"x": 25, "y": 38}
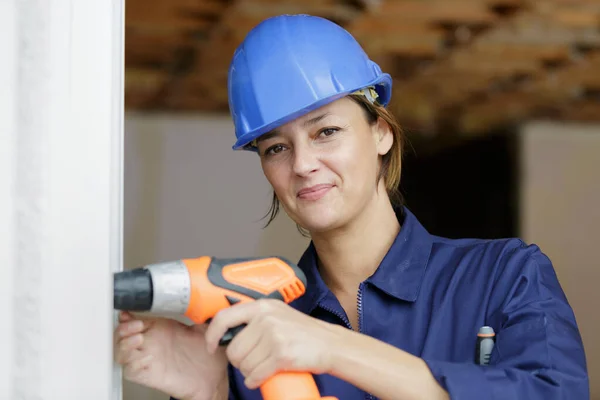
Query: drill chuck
{"x": 161, "y": 288}
{"x": 133, "y": 290}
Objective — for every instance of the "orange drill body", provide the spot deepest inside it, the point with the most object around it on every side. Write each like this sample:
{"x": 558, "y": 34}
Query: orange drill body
{"x": 201, "y": 287}
{"x": 217, "y": 284}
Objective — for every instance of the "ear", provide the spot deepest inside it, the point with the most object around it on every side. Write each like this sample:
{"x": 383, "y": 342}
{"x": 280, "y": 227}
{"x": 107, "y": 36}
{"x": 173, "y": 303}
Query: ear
{"x": 383, "y": 136}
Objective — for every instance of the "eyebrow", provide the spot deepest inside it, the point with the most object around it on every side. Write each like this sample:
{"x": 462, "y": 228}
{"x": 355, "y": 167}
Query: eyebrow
{"x": 267, "y": 136}
{"x": 307, "y": 123}
{"x": 316, "y": 119}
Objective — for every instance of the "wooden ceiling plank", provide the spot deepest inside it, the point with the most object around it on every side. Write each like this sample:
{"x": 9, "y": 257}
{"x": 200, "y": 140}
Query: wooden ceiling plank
{"x": 166, "y": 28}
{"x": 439, "y": 10}
{"x": 144, "y": 10}
{"x": 266, "y": 10}
{"x": 205, "y": 6}
{"x": 578, "y": 19}
{"x": 425, "y": 44}
{"x": 368, "y": 26}
{"x": 525, "y": 66}
{"x": 247, "y": 4}
{"x": 485, "y": 50}
{"x": 180, "y": 14}
{"x": 148, "y": 42}
{"x": 587, "y": 111}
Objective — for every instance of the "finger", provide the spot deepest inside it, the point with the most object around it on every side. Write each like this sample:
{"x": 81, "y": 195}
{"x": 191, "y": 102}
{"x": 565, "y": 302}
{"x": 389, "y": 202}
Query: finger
{"x": 126, "y": 357}
{"x": 132, "y": 327}
{"x": 241, "y": 313}
{"x": 257, "y": 355}
{"x": 137, "y": 365}
{"x": 243, "y": 344}
{"x": 261, "y": 372}
{"x": 125, "y": 316}
{"x": 132, "y": 342}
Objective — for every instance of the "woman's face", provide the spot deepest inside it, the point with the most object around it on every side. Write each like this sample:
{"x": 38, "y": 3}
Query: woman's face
{"x": 323, "y": 166}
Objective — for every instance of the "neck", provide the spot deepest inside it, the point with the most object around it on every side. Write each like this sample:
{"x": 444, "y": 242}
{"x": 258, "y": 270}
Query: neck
{"x": 349, "y": 255}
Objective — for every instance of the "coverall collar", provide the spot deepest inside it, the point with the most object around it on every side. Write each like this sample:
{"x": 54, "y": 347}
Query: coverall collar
{"x": 400, "y": 273}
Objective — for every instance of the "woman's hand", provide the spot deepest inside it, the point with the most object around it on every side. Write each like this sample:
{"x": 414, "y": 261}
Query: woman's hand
{"x": 169, "y": 356}
{"x": 276, "y": 338}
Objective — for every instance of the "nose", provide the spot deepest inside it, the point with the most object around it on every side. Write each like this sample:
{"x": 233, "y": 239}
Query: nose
{"x": 305, "y": 161}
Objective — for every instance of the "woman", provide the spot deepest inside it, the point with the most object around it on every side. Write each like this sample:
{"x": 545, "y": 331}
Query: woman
{"x": 390, "y": 311}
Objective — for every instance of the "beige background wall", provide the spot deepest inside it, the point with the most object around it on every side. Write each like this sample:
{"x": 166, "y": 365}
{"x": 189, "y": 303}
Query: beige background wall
{"x": 561, "y": 213}
{"x": 188, "y": 194}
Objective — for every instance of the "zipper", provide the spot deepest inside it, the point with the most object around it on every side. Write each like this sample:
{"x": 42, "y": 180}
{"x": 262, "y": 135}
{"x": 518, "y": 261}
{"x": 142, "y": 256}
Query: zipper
{"x": 359, "y": 306}
{"x": 339, "y": 315}
{"x": 359, "y": 309}
{"x": 344, "y": 318}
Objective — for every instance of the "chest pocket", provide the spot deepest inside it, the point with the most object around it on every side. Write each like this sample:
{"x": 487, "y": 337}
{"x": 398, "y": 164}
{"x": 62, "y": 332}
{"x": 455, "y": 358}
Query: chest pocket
{"x": 524, "y": 342}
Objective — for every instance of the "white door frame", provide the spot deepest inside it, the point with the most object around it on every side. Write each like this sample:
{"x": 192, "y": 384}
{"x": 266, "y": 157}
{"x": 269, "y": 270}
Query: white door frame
{"x": 61, "y": 167}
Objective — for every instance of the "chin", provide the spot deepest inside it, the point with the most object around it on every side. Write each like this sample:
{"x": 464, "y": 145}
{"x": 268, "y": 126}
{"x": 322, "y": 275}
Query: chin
{"x": 319, "y": 220}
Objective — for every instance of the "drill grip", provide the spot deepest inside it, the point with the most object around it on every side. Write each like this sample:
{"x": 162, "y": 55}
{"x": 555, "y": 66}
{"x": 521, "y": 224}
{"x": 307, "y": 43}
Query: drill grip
{"x": 291, "y": 386}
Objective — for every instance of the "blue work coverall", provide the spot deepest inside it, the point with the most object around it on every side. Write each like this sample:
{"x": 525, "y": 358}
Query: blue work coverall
{"x": 430, "y": 296}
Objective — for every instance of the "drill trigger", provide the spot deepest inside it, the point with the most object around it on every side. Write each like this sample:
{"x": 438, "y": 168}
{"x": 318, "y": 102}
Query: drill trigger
{"x": 230, "y": 334}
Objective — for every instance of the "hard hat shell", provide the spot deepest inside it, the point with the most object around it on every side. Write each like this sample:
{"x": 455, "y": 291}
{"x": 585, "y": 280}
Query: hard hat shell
{"x": 290, "y": 65}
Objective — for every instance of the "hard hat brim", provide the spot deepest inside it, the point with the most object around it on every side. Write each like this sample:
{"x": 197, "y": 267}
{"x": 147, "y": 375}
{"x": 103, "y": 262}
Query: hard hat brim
{"x": 383, "y": 86}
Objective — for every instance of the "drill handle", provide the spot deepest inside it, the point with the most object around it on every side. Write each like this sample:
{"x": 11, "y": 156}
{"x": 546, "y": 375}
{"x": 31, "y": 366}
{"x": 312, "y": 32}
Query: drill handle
{"x": 292, "y": 386}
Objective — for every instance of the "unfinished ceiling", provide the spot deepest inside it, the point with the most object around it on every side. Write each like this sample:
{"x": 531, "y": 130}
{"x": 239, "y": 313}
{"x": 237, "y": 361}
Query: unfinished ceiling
{"x": 460, "y": 66}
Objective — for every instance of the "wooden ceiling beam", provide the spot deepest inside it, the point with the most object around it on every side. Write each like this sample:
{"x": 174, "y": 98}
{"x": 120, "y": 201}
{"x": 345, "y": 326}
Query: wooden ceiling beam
{"x": 493, "y": 61}
{"x": 570, "y": 14}
{"x": 160, "y": 13}
{"x": 585, "y": 111}
{"x": 427, "y": 44}
{"x": 534, "y": 29}
{"x": 265, "y": 9}
{"x": 484, "y": 49}
{"x": 144, "y": 9}
{"x": 388, "y": 27}
{"x": 205, "y": 71}
{"x": 460, "y": 12}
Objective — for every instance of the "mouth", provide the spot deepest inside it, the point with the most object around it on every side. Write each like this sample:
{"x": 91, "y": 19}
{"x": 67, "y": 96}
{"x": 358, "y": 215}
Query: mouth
{"x": 314, "y": 192}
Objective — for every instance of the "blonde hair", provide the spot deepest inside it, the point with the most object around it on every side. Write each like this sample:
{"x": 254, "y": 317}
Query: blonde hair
{"x": 391, "y": 162}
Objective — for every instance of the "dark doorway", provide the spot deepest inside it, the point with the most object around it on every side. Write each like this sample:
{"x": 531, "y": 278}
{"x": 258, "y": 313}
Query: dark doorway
{"x": 466, "y": 190}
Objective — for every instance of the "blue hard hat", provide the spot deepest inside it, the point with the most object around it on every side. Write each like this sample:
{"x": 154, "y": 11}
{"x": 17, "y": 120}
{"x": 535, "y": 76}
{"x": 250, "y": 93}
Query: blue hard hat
{"x": 290, "y": 65}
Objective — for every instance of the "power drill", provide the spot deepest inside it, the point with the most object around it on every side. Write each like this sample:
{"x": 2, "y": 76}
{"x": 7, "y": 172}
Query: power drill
{"x": 200, "y": 287}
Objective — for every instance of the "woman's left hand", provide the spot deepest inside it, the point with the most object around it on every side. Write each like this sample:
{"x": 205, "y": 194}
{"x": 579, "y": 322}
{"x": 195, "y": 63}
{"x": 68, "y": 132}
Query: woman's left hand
{"x": 276, "y": 338}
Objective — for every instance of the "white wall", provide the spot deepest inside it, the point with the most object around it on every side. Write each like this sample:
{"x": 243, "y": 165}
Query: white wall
{"x": 60, "y": 134}
{"x": 561, "y": 213}
{"x": 187, "y": 194}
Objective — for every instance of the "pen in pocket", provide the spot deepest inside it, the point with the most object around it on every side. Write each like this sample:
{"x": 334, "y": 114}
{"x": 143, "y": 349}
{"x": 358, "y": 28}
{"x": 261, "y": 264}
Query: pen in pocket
{"x": 486, "y": 339}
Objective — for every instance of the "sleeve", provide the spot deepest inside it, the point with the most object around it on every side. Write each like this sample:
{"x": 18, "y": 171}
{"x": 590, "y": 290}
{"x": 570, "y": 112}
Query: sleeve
{"x": 234, "y": 393}
{"x": 538, "y": 354}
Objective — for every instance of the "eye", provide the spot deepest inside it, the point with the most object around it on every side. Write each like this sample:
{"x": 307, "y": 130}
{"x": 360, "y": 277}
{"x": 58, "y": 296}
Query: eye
{"x": 278, "y": 148}
{"x": 328, "y": 131}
